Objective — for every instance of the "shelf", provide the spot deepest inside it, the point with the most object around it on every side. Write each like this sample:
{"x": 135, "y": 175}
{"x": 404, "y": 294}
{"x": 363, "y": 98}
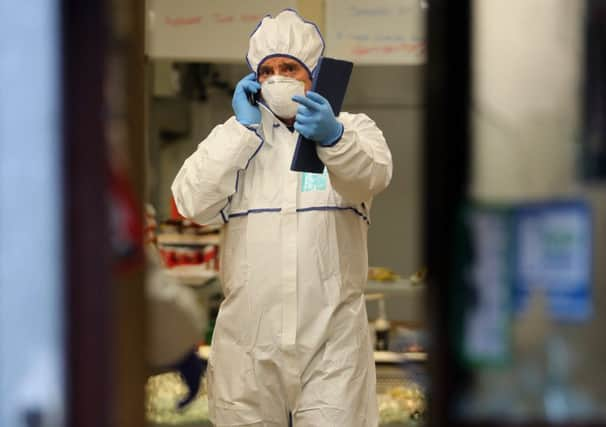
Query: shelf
{"x": 393, "y": 357}
{"x": 175, "y": 239}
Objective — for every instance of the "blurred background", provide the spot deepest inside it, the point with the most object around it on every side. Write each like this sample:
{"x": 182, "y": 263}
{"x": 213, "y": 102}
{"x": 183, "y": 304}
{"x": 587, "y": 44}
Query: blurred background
{"x": 486, "y": 291}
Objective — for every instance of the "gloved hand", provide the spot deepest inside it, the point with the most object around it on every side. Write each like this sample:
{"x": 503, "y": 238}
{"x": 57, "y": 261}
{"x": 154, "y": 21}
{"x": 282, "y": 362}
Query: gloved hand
{"x": 191, "y": 368}
{"x": 246, "y": 113}
{"x": 315, "y": 119}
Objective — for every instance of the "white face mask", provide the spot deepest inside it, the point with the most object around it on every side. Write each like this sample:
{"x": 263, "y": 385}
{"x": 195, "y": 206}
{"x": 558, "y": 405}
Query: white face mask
{"x": 277, "y": 93}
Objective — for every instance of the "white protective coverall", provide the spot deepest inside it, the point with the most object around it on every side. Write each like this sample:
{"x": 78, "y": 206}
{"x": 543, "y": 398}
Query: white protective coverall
{"x": 292, "y": 332}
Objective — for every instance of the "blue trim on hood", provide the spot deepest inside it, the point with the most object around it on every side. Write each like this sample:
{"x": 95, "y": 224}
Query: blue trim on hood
{"x": 251, "y": 34}
{"x": 259, "y": 24}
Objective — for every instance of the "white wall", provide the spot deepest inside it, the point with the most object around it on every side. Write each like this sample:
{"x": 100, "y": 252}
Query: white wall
{"x": 392, "y": 96}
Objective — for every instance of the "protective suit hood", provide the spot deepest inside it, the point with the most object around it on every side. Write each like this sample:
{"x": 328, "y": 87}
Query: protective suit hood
{"x": 285, "y": 35}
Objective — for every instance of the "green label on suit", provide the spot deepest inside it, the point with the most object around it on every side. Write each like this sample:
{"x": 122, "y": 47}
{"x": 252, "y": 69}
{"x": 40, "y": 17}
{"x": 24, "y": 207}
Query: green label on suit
{"x": 314, "y": 181}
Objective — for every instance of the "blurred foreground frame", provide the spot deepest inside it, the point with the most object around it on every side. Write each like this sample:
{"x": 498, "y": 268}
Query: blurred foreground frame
{"x": 446, "y": 160}
{"x": 102, "y": 55}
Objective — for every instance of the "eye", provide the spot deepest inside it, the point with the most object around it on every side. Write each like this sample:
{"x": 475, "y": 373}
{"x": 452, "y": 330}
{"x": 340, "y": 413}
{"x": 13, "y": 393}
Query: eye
{"x": 289, "y": 68}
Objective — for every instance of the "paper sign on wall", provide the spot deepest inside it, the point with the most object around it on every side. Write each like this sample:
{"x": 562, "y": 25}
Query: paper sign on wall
{"x": 377, "y": 32}
{"x": 205, "y": 30}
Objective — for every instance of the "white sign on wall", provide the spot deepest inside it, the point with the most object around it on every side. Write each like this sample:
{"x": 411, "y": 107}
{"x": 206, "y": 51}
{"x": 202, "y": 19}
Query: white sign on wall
{"x": 205, "y": 30}
{"x": 376, "y": 32}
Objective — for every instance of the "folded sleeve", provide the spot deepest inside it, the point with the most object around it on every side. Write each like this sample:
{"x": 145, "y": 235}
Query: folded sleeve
{"x": 209, "y": 177}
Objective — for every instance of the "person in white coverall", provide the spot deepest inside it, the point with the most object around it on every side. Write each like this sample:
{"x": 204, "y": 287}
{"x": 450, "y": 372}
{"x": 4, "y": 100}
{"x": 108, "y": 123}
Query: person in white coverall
{"x": 292, "y": 333}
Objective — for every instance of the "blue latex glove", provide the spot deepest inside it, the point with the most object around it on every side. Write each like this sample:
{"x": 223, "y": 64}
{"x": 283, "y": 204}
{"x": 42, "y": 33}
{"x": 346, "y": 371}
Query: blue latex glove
{"x": 191, "y": 368}
{"x": 315, "y": 119}
{"x": 246, "y": 113}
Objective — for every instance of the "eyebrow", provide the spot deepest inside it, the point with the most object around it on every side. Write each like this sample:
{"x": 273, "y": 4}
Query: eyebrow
{"x": 290, "y": 63}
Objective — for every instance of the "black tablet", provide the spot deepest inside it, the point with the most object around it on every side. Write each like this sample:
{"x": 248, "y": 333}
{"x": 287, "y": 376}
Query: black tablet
{"x": 330, "y": 80}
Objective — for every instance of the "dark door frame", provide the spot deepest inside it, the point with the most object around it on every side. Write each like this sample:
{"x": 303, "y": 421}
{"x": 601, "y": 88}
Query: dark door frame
{"x": 104, "y": 314}
{"x": 445, "y": 177}
{"x": 89, "y": 295}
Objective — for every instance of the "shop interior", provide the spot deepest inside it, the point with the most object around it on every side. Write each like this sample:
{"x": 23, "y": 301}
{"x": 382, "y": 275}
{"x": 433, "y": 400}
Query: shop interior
{"x": 486, "y": 289}
{"x": 520, "y": 116}
{"x": 189, "y": 96}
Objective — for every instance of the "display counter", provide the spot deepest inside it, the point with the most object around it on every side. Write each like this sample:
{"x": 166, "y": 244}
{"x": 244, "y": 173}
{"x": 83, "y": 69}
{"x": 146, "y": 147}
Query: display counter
{"x": 400, "y": 397}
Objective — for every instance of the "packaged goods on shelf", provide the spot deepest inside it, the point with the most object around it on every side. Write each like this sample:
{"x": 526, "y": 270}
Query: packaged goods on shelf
{"x": 183, "y": 242}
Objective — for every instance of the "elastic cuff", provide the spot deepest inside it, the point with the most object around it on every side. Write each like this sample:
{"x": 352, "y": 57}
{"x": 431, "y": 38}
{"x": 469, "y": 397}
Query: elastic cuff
{"x": 334, "y": 142}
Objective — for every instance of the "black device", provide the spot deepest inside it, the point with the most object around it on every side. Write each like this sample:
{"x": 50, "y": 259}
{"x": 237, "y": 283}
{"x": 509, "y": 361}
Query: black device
{"x": 330, "y": 80}
{"x": 253, "y": 98}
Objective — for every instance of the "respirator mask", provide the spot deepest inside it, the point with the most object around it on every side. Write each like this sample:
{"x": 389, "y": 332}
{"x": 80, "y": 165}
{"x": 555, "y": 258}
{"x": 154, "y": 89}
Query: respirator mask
{"x": 277, "y": 93}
